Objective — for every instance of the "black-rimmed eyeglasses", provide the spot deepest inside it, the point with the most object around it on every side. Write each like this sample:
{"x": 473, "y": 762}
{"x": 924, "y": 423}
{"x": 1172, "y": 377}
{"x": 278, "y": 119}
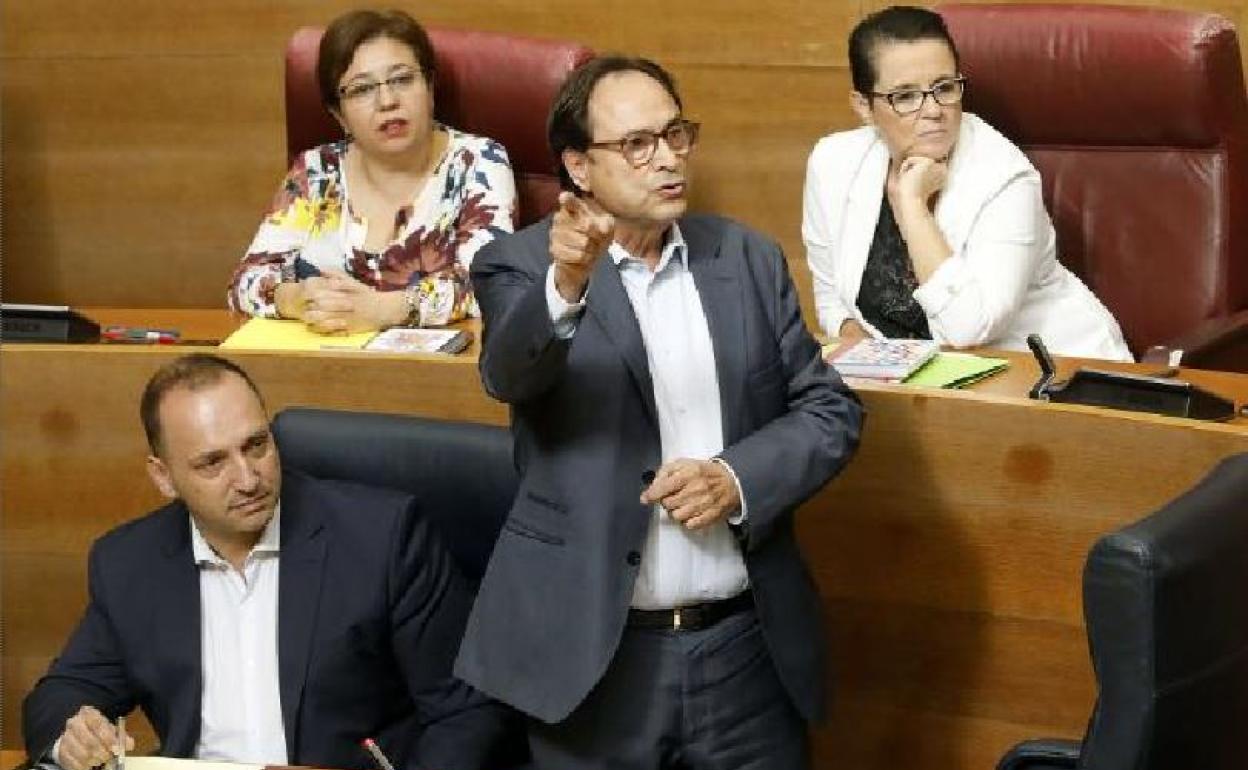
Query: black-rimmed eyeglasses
{"x": 906, "y": 101}
{"x": 368, "y": 90}
{"x": 638, "y": 147}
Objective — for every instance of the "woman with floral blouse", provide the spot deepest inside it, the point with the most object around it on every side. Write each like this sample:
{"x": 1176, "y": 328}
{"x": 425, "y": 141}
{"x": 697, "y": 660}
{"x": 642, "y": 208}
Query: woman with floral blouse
{"x": 378, "y": 229}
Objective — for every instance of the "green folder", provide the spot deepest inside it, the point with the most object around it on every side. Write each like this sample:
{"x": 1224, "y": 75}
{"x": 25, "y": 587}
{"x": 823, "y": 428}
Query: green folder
{"x": 956, "y": 370}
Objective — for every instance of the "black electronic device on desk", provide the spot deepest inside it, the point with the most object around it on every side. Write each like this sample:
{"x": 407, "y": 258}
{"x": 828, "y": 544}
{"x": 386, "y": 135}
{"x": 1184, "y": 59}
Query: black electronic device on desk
{"x": 45, "y": 323}
{"x": 1133, "y": 392}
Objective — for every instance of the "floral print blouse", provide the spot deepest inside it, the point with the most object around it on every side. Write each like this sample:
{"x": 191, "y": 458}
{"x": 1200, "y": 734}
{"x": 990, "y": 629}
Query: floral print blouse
{"x": 310, "y": 226}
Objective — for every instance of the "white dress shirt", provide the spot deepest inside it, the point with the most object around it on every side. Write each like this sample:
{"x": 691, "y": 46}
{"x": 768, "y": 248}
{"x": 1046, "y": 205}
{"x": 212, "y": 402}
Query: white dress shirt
{"x": 678, "y": 566}
{"x": 240, "y": 707}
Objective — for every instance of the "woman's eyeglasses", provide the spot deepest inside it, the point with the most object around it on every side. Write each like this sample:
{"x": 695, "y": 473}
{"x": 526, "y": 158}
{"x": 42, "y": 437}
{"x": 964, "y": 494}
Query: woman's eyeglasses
{"x": 369, "y": 90}
{"x": 907, "y": 101}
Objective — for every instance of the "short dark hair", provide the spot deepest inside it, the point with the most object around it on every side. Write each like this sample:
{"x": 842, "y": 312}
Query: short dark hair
{"x": 194, "y": 371}
{"x": 568, "y": 125}
{"x": 351, "y": 30}
{"x": 897, "y": 24}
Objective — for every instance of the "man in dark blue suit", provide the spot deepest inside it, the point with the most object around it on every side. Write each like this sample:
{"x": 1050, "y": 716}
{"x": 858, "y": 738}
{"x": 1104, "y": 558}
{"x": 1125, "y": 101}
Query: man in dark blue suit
{"x": 261, "y": 617}
{"x": 646, "y": 603}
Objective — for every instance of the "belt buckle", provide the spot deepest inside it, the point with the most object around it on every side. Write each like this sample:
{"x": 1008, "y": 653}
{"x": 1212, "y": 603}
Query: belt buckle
{"x": 676, "y": 619}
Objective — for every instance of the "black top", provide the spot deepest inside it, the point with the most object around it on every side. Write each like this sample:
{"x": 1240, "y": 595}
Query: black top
{"x": 886, "y": 295}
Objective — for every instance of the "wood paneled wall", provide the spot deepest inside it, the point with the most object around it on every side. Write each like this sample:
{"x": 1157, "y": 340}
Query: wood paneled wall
{"x": 142, "y": 139}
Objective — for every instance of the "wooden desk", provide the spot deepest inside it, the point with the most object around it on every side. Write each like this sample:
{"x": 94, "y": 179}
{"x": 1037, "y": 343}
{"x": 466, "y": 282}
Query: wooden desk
{"x": 949, "y": 554}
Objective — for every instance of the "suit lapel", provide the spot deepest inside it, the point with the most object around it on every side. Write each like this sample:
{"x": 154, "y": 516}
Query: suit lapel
{"x": 607, "y": 303}
{"x": 176, "y": 607}
{"x": 298, "y": 598}
{"x": 719, "y": 288}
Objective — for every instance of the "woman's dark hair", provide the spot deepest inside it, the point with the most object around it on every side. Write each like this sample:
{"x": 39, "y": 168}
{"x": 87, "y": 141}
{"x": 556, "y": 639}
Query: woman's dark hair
{"x": 568, "y": 125}
{"x": 349, "y": 31}
{"x": 898, "y": 24}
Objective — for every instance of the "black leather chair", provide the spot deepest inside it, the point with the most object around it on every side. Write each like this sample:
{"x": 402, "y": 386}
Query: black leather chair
{"x": 1166, "y": 605}
{"x": 461, "y": 474}
{"x": 1151, "y": 212}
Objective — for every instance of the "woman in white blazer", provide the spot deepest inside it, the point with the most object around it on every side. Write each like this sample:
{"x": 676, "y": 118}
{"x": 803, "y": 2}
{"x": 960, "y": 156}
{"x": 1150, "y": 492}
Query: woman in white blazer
{"x": 927, "y": 222}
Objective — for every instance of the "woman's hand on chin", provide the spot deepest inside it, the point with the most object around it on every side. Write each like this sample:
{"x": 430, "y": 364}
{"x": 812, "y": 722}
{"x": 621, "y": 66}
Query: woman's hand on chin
{"x": 919, "y": 178}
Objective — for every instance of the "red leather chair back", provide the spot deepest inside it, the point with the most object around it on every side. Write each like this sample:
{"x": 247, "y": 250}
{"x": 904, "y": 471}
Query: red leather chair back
{"x": 490, "y": 84}
{"x": 1138, "y": 122}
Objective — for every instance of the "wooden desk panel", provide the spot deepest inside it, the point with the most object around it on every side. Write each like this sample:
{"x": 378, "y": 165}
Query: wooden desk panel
{"x": 949, "y": 554}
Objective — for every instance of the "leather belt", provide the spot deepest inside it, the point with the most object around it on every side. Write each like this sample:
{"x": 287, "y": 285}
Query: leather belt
{"x": 693, "y": 617}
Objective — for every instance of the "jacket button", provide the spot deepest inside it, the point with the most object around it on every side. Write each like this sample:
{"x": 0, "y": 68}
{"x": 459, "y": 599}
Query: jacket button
{"x": 634, "y": 558}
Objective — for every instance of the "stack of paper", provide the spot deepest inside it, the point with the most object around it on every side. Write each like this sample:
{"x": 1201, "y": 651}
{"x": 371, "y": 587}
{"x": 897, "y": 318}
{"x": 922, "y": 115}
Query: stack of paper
{"x": 168, "y": 763}
{"x": 883, "y": 359}
{"x": 405, "y": 340}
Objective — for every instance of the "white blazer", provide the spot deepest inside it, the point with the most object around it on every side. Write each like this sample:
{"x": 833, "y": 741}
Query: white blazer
{"x": 1003, "y": 280}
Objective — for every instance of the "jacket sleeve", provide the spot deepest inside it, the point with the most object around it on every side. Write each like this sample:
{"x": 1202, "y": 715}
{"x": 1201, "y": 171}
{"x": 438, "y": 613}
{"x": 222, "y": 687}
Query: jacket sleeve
{"x": 521, "y": 356}
{"x": 89, "y": 672}
{"x": 820, "y": 239}
{"x": 429, "y": 604}
{"x": 287, "y": 225}
{"x": 973, "y": 297}
{"x": 791, "y": 457}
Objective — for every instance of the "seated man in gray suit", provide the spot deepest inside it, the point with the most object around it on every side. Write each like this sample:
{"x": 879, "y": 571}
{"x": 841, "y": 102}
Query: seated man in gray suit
{"x": 646, "y": 603}
{"x": 261, "y": 617}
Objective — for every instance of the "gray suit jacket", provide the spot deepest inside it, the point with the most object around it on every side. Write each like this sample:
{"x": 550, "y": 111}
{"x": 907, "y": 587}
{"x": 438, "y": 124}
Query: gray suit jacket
{"x": 554, "y": 599}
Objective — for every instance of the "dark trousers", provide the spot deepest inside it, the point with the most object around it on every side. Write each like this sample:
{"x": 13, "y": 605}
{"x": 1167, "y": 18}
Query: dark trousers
{"x": 681, "y": 700}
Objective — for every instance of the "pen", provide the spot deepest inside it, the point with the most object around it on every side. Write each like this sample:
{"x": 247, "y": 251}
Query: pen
{"x": 139, "y": 334}
{"x": 121, "y": 743}
{"x": 378, "y": 757}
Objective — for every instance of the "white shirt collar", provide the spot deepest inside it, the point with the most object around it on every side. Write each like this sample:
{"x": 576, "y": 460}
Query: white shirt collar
{"x": 270, "y": 540}
{"x": 673, "y": 246}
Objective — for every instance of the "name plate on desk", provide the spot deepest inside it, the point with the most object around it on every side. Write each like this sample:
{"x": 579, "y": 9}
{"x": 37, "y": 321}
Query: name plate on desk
{"x": 46, "y": 323}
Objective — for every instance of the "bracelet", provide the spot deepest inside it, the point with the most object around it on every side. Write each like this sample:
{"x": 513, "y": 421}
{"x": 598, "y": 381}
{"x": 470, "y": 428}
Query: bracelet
{"x": 411, "y": 300}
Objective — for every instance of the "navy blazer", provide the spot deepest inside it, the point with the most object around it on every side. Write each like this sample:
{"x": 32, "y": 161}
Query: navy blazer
{"x": 552, "y": 605}
{"x": 370, "y": 613}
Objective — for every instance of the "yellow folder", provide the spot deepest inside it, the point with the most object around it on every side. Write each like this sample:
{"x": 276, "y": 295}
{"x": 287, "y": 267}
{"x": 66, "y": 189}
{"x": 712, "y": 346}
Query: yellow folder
{"x": 274, "y": 334}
